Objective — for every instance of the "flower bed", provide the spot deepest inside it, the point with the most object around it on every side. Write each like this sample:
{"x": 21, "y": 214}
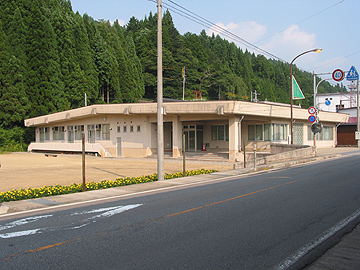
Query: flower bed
{"x": 30, "y": 193}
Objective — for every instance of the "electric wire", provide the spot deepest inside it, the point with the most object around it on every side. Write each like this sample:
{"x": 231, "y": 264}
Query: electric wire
{"x": 337, "y": 60}
{"x": 265, "y": 38}
{"x": 216, "y": 28}
{"x": 188, "y": 14}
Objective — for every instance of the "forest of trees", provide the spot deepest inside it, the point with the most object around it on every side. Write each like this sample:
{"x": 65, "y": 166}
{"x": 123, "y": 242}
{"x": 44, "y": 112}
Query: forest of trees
{"x": 50, "y": 57}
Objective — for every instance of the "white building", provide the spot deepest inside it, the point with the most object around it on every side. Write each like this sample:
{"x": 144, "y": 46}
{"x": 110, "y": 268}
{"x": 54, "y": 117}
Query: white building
{"x": 332, "y": 102}
{"x": 130, "y": 130}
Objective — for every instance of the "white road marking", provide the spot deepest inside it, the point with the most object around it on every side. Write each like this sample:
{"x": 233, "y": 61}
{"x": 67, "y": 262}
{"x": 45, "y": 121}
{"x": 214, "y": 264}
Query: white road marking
{"x": 20, "y": 233}
{"x": 23, "y": 221}
{"x": 322, "y": 238}
{"x": 115, "y": 211}
{"x": 107, "y": 212}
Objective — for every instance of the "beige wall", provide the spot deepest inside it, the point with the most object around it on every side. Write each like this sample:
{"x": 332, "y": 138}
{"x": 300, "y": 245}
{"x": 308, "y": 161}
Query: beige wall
{"x": 178, "y": 114}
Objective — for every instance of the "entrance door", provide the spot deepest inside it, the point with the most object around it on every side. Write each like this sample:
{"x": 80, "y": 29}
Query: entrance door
{"x": 193, "y": 137}
{"x": 118, "y": 141}
{"x": 91, "y": 136}
{"x": 298, "y": 134}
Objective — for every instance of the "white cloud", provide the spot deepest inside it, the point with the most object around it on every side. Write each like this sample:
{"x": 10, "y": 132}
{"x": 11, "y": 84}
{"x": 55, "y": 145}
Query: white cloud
{"x": 250, "y": 31}
{"x": 121, "y": 22}
{"x": 291, "y": 42}
{"x": 285, "y": 45}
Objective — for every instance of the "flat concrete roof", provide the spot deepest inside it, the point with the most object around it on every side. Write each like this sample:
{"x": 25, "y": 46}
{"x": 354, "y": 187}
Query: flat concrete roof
{"x": 221, "y": 107}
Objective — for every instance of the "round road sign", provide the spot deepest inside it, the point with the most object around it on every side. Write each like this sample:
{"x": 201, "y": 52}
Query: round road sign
{"x": 338, "y": 75}
{"x": 312, "y": 110}
{"x": 312, "y": 118}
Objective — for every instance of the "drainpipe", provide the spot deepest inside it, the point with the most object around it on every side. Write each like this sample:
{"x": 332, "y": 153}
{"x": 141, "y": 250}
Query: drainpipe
{"x": 239, "y": 135}
{"x": 336, "y": 141}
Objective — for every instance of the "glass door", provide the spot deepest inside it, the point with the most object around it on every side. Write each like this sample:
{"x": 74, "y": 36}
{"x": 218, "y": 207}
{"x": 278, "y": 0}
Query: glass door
{"x": 193, "y": 137}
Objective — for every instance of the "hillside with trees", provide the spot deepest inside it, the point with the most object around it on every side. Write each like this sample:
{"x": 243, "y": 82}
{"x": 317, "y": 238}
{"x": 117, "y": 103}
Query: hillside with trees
{"x": 50, "y": 57}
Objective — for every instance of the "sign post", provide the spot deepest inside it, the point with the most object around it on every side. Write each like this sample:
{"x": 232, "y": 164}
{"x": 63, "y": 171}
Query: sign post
{"x": 353, "y": 75}
{"x": 312, "y": 119}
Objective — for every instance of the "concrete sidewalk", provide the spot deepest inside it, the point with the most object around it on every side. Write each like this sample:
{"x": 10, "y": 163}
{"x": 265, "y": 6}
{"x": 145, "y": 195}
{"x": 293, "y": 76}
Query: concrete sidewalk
{"x": 344, "y": 255}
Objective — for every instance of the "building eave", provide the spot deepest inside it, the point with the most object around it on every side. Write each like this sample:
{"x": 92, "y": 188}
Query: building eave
{"x": 216, "y": 108}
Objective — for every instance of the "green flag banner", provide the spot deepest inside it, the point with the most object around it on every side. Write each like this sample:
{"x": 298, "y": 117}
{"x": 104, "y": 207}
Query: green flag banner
{"x": 297, "y": 93}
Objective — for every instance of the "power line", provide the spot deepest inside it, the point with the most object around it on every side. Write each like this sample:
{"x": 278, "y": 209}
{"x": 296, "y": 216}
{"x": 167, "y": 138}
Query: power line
{"x": 301, "y": 21}
{"x": 180, "y": 10}
{"x": 337, "y": 60}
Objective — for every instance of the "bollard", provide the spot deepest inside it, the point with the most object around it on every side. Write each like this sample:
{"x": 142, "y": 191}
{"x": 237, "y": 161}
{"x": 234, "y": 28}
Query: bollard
{"x": 255, "y": 149}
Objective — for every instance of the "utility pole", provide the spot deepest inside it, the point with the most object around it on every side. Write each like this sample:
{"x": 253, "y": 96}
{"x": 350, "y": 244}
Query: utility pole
{"x": 184, "y": 79}
{"x": 357, "y": 106}
{"x": 160, "y": 108}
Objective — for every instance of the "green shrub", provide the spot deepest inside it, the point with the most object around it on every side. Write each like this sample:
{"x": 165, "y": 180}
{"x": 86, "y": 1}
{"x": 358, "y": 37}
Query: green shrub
{"x": 30, "y": 193}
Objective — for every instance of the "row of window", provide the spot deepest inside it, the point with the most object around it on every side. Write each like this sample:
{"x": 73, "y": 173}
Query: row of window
{"x": 98, "y": 132}
{"x": 259, "y": 132}
{"x": 267, "y": 132}
{"x": 278, "y": 132}
{"x": 125, "y": 129}
{"x": 327, "y": 134}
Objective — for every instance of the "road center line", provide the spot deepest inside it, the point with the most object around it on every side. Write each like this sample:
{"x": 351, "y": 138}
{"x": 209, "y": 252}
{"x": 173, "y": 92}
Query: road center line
{"x": 234, "y": 198}
{"x": 171, "y": 215}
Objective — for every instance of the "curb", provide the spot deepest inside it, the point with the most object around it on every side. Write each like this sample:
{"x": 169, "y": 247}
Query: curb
{"x": 67, "y": 199}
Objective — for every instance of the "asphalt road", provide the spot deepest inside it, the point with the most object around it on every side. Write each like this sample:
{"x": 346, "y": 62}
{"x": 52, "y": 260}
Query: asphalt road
{"x": 267, "y": 220}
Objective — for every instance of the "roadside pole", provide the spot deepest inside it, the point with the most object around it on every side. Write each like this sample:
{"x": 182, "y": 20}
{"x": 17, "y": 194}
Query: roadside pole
{"x": 184, "y": 169}
{"x": 83, "y": 161}
{"x": 244, "y": 151}
{"x": 160, "y": 108}
{"x": 357, "y": 101}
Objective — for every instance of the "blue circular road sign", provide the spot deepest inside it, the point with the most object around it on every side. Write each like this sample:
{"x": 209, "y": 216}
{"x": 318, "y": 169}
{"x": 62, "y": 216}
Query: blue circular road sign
{"x": 312, "y": 118}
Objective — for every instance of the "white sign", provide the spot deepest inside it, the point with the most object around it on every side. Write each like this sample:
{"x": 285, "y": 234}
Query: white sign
{"x": 357, "y": 135}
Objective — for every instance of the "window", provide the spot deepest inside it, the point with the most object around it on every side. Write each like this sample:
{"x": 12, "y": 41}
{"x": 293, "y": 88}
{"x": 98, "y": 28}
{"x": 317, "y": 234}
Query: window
{"x": 44, "y": 134}
{"x": 58, "y": 133}
{"x": 267, "y": 132}
{"x": 326, "y": 134}
{"x": 98, "y": 132}
{"x": 138, "y": 128}
{"x": 124, "y": 129}
{"x": 220, "y": 132}
{"x": 105, "y": 132}
{"x": 279, "y": 132}
{"x": 118, "y": 129}
{"x": 75, "y": 132}
{"x": 255, "y": 132}
{"x": 102, "y": 132}
{"x": 131, "y": 128}
{"x": 78, "y": 132}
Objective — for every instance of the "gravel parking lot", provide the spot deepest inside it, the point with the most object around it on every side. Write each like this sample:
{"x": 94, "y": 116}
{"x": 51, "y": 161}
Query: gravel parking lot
{"x": 24, "y": 170}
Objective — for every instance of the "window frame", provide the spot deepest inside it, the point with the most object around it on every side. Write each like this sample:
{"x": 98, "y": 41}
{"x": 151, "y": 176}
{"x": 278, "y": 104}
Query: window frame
{"x": 220, "y": 132}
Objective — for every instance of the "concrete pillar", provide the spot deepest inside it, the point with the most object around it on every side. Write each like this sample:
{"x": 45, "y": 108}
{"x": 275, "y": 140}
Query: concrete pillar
{"x": 234, "y": 137}
{"x": 176, "y": 137}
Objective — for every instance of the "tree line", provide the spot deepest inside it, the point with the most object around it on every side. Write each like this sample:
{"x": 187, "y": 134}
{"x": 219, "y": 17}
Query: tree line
{"x": 51, "y": 56}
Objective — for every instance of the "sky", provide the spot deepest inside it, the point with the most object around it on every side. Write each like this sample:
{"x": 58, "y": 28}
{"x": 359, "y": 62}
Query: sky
{"x": 282, "y": 28}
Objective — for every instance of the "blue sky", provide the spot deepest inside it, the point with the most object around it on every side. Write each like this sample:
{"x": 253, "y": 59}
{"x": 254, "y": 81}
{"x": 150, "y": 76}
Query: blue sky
{"x": 284, "y": 28}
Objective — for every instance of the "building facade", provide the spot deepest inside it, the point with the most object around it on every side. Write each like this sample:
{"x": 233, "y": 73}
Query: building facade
{"x": 130, "y": 130}
{"x": 333, "y": 102}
